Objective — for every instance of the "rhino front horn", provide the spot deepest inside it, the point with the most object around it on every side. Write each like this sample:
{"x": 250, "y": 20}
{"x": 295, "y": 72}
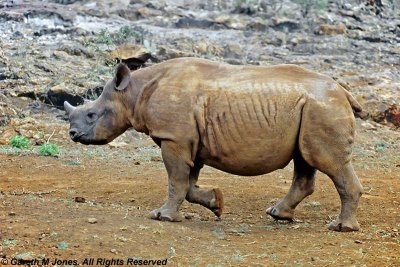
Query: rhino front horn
{"x": 68, "y": 107}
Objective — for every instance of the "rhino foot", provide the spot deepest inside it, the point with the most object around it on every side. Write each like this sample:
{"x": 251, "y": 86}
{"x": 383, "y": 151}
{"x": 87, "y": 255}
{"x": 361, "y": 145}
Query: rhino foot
{"x": 279, "y": 213}
{"x": 344, "y": 226}
{"x": 163, "y": 214}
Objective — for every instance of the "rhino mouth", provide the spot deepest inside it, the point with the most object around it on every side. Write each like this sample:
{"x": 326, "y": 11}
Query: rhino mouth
{"x": 93, "y": 142}
{"x": 85, "y": 140}
{"x": 77, "y": 137}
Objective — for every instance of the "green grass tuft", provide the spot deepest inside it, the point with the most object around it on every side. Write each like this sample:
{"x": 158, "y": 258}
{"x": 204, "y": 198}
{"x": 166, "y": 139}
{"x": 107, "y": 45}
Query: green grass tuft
{"x": 49, "y": 149}
{"x": 19, "y": 141}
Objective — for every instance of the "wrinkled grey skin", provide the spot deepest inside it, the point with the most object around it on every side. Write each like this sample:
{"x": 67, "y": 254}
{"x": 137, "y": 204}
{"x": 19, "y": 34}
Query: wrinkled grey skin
{"x": 245, "y": 120}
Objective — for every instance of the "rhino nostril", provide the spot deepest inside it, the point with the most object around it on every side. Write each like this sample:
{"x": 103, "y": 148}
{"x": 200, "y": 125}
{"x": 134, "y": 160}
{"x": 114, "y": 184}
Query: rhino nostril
{"x": 72, "y": 133}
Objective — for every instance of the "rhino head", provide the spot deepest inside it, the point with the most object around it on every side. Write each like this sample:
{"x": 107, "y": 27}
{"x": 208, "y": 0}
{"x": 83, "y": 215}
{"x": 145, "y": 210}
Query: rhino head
{"x": 102, "y": 120}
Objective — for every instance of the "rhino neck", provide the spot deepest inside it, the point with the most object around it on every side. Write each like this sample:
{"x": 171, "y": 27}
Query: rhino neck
{"x": 144, "y": 83}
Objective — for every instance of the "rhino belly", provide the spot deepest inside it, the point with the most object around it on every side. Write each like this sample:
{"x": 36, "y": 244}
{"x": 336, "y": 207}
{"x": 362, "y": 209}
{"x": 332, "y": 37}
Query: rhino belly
{"x": 249, "y": 147}
{"x": 252, "y": 155}
{"x": 249, "y": 132}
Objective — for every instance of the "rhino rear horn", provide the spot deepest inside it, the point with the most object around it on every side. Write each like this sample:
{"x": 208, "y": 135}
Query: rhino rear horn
{"x": 68, "y": 107}
{"x": 122, "y": 77}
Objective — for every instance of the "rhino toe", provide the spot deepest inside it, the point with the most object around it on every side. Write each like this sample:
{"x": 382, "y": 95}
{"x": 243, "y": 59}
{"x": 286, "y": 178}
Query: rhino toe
{"x": 166, "y": 215}
{"x": 278, "y": 214}
{"x": 217, "y": 204}
{"x": 340, "y": 226}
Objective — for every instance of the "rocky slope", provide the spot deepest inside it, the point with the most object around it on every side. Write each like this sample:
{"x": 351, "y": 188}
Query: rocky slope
{"x": 51, "y": 51}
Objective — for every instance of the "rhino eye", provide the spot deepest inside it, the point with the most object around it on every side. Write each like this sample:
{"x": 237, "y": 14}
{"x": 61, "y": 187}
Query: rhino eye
{"x": 91, "y": 117}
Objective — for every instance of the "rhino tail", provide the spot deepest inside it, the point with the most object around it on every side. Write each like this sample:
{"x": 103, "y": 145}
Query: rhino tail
{"x": 353, "y": 102}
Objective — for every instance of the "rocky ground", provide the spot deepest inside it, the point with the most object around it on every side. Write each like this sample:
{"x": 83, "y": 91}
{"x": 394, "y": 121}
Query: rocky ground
{"x": 51, "y": 51}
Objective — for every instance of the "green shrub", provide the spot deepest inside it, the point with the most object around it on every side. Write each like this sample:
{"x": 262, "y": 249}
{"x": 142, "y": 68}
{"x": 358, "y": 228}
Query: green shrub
{"x": 19, "y": 141}
{"x": 124, "y": 33}
{"x": 49, "y": 149}
{"x": 117, "y": 37}
{"x": 104, "y": 37}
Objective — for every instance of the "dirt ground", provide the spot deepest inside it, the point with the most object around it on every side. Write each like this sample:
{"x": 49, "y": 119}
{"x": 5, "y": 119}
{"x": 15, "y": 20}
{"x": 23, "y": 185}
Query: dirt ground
{"x": 40, "y": 217}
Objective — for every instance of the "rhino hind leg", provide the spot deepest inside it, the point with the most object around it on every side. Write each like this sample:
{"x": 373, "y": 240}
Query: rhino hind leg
{"x": 178, "y": 184}
{"x": 302, "y": 186}
{"x": 210, "y": 198}
{"x": 325, "y": 141}
{"x": 350, "y": 190}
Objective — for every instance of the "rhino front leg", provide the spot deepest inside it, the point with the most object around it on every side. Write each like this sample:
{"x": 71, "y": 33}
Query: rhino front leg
{"x": 178, "y": 183}
{"x": 210, "y": 198}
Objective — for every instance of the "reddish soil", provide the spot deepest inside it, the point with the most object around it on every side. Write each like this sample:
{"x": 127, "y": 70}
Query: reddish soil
{"x": 40, "y": 217}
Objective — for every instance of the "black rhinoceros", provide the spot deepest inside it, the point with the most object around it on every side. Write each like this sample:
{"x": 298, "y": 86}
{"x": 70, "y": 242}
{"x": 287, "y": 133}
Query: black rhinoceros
{"x": 244, "y": 120}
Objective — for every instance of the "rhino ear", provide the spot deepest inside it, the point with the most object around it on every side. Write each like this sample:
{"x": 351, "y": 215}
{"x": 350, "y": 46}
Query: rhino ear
{"x": 122, "y": 77}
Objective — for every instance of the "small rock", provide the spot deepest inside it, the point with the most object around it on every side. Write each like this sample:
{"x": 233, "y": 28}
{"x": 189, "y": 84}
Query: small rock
{"x": 165, "y": 53}
{"x": 189, "y": 215}
{"x": 136, "y": 162}
{"x": 201, "y": 47}
{"x": 113, "y": 250}
{"x": 234, "y": 61}
{"x": 358, "y": 242}
{"x": 122, "y": 239}
{"x": 257, "y": 25}
{"x": 92, "y": 220}
{"x": 188, "y": 22}
{"x": 117, "y": 144}
{"x": 156, "y": 158}
{"x": 294, "y": 41}
{"x": 368, "y": 126}
{"x": 80, "y": 199}
{"x": 285, "y": 24}
{"x": 134, "y": 56}
{"x": 145, "y": 12}
{"x": 327, "y": 29}
{"x": 60, "y": 54}
{"x": 230, "y": 22}
{"x": 11, "y": 213}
